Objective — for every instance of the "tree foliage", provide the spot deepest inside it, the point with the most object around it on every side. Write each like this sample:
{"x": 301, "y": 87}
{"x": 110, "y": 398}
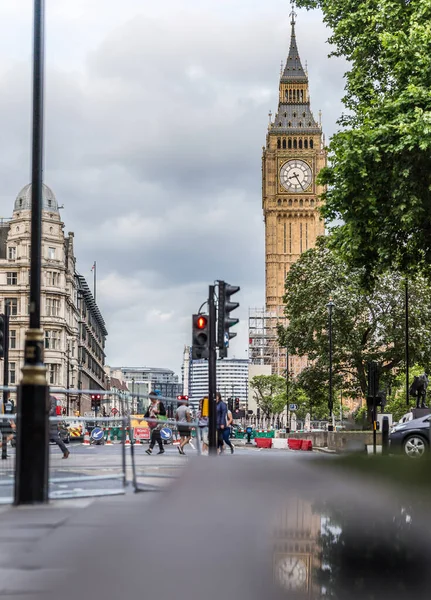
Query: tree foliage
{"x": 366, "y": 325}
{"x": 270, "y": 393}
{"x": 379, "y": 181}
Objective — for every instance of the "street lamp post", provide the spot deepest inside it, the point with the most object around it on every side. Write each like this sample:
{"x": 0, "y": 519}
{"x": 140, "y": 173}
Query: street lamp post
{"x": 407, "y": 359}
{"x": 32, "y": 457}
{"x": 287, "y": 391}
{"x": 330, "y": 307}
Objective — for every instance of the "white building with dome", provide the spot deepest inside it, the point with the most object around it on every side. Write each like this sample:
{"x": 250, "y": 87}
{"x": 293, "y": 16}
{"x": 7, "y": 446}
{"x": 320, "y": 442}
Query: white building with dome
{"x": 74, "y": 329}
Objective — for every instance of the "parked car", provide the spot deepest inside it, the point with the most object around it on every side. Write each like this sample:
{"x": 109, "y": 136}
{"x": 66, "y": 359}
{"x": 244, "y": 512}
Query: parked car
{"x": 412, "y": 438}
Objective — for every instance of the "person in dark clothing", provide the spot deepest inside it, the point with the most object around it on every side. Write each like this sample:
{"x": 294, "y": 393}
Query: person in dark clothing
{"x": 53, "y": 429}
{"x": 221, "y": 412}
{"x": 154, "y": 411}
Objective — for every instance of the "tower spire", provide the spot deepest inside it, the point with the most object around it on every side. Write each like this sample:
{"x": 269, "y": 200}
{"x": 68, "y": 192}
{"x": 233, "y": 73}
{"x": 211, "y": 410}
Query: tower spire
{"x": 293, "y": 69}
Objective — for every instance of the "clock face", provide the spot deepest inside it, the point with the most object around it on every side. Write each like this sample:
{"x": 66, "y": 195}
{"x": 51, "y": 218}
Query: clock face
{"x": 295, "y": 176}
{"x": 291, "y": 573}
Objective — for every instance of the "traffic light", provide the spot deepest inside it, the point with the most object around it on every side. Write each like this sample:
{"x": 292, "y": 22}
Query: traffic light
{"x": 95, "y": 401}
{"x": 200, "y": 337}
{"x": 230, "y": 404}
{"x": 3, "y": 340}
{"x": 236, "y": 403}
{"x": 224, "y": 321}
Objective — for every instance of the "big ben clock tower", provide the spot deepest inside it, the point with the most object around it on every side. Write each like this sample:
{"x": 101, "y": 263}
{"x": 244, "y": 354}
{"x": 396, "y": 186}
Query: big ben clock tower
{"x": 293, "y": 156}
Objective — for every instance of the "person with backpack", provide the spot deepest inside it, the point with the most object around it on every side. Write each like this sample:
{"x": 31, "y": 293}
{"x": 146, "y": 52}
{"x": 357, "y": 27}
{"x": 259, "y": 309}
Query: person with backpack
{"x": 154, "y": 412}
{"x": 183, "y": 417}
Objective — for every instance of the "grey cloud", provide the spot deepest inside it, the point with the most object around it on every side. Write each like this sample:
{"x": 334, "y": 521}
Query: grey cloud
{"x": 154, "y": 129}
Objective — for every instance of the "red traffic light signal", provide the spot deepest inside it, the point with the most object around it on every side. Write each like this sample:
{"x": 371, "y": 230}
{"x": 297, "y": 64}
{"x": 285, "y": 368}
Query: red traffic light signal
{"x": 201, "y": 322}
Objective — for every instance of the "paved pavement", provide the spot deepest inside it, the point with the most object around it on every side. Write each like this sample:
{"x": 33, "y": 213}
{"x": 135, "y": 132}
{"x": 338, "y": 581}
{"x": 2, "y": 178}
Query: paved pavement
{"x": 98, "y": 547}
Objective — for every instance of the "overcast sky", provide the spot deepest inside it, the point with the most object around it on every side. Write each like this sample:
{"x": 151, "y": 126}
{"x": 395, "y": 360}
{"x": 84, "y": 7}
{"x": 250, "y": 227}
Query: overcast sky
{"x": 156, "y": 114}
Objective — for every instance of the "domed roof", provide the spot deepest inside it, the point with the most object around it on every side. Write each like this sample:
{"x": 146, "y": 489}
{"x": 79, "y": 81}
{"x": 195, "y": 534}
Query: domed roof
{"x": 23, "y": 200}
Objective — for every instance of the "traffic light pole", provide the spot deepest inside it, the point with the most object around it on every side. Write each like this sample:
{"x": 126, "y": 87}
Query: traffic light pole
{"x": 212, "y": 378}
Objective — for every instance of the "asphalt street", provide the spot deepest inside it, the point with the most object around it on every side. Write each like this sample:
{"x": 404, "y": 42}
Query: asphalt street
{"x": 98, "y": 470}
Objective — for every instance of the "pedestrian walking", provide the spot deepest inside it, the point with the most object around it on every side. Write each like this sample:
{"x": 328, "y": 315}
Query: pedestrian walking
{"x": 227, "y": 430}
{"x": 183, "y": 417}
{"x": 54, "y": 433}
{"x": 221, "y": 413}
{"x": 154, "y": 412}
{"x": 203, "y": 426}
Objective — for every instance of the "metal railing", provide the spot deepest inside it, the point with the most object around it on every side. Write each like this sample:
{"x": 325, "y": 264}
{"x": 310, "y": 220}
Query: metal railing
{"x": 112, "y": 472}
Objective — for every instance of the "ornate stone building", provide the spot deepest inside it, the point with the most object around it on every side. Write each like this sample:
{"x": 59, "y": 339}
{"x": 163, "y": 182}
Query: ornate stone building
{"x": 60, "y": 289}
{"x": 292, "y": 158}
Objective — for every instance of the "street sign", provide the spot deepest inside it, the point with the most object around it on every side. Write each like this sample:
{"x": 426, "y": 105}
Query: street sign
{"x": 96, "y": 434}
{"x": 166, "y": 433}
{"x": 293, "y": 407}
{"x": 89, "y": 414}
{"x": 141, "y": 433}
{"x": 114, "y": 411}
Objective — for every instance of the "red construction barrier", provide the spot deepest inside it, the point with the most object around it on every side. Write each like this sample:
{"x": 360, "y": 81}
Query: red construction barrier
{"x": 307, "y": 445}
{"x": 263, "y": 442}
{"x": 294, "y": 444}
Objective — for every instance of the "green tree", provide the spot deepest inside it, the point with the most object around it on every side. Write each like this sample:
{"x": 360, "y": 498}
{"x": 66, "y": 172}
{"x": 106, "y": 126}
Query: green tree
{"x": 270, "y": 393}
{"x": 379, "y": 181}
{"x": 367, "y": 325}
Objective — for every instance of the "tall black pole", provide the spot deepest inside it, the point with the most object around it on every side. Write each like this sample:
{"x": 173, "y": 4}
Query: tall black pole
{"x": 212, "y": 377}
{"x": 287, "y": 391}
{"x": 68, "y": 379}
{"x": 6, "y": 355}
{"x": 407, "y": 340}
{"x": 31, "y": 476}
{"x": 330, "y": 402}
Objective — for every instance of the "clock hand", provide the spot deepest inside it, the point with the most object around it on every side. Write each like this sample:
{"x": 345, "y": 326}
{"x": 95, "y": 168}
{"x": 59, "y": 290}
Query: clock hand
{"x": 299, "y": 181}
{"x": 293, "y": 176}
{"x": 291, "y": 572}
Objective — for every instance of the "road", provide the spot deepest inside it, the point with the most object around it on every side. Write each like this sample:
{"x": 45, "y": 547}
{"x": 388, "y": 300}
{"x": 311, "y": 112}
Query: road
{"x": 98, "y": 470}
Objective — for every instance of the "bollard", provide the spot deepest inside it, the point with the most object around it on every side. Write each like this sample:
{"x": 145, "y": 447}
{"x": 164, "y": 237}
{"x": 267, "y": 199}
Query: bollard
{"x": 385, "y": 435}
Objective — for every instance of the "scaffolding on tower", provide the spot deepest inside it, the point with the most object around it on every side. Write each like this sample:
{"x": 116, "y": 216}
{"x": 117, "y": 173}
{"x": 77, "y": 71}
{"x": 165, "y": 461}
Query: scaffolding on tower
{"x": 264, "y": 347}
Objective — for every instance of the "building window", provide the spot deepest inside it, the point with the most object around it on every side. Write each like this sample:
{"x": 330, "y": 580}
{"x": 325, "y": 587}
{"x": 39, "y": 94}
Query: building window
{"x": 51, "y": 253}
{"x": 284, "y": 144}
{"x": 290, "y": 238}
{"x": 300, "y": 237}
{"x": 11, "y": 252}
{"x": 311, "y": 143}
{"x": 52, "y": 339}
{"x": 52, "y": 278}
{"x": 295, "y": 144}
{"x": 305, "y": 144}
{"x": 285, "y": 244}
{"x": 52, "y": 307}
{"x": 53, "y": 371}
{"x": 12, "y": 339}
{"x": 13, "y": 306}
{"x": 278, "y": 143}
{"x": 12, "y": 278}
{"x": 289, "y": 143}
{"x": 300, "y": 144}
{"x": 12, "y": 373}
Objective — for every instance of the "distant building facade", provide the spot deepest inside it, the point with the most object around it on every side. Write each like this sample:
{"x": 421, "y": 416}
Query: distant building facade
{"x": 59, "y": 291}
{"x": 143, "y": 380}
{"x": 232, "y": 379}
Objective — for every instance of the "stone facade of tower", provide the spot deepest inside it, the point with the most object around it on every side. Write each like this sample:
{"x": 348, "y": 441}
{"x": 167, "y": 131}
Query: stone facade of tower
{"x": 292, "y": 158}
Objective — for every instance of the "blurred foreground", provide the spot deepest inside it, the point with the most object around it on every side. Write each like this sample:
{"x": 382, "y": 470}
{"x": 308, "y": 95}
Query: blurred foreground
{"x": 254, "y": 527}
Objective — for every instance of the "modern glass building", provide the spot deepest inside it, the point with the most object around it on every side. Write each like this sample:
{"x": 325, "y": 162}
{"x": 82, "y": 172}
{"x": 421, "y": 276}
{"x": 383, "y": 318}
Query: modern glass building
{"x": 232, "y": 379}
